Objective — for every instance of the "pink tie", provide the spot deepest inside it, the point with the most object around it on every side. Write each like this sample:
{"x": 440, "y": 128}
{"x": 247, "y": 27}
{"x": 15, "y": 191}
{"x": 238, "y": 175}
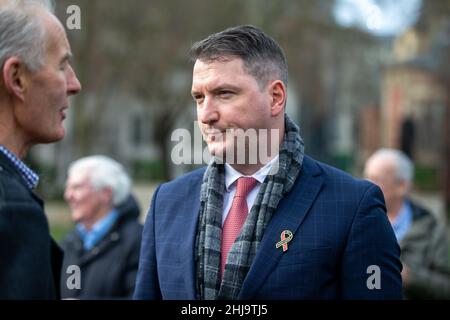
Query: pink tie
{"x": 236, "y": 216}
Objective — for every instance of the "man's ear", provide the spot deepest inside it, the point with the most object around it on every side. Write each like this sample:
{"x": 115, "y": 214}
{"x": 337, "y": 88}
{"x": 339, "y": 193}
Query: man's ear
{"x": 106, "y": 195}
{"x": 14, "y": 73}
{"x": 277, "y": 91}
{"x": 403, "y": 188}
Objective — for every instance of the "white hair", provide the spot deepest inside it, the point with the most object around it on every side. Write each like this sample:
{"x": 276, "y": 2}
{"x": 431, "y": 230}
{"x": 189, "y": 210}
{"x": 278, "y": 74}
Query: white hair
{"x": 22, "y": 33}
{"x": 104, "y": 172}
{"x": 404, "y": 168}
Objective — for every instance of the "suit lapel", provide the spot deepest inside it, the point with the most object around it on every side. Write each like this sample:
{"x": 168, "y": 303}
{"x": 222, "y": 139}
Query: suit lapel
{"x": 289, "y": 215}
{"x": 191, "y": 231}
{"x": 6, "y": 164}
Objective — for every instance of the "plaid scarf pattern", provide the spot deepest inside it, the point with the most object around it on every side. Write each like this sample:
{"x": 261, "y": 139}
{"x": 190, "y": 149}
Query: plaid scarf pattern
{"x": 210, "y": 285}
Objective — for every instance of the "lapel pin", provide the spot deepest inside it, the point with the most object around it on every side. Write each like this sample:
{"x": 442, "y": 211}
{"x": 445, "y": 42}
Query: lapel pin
{"x": 286, "y": 236}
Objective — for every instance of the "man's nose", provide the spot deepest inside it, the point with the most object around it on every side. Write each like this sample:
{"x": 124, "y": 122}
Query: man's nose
{"x": 73, "y": 84}
{"x": 208, "y": 113}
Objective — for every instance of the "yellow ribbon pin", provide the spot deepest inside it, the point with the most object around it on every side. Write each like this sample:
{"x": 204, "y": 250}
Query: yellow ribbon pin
{"x": 286, "y": 236}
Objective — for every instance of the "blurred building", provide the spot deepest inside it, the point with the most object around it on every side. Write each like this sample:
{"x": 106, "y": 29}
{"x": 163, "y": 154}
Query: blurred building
{"x": 414, "y": 113}
{"x": 415, "y": 97}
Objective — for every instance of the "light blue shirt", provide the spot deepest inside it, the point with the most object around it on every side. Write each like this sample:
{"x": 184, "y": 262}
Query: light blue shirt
{"x": 91, "y": 237}
{"x": 403, "y": 221}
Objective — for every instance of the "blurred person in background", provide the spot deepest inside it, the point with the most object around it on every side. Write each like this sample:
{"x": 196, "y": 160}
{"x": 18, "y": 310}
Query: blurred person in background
{"x": 36, "y": 80}
{"x": 106, "y": 241}
{"x": 422, "y": 238}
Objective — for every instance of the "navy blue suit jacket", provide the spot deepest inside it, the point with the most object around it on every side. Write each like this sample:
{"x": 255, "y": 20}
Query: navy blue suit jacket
{"x": 340, "y": 232}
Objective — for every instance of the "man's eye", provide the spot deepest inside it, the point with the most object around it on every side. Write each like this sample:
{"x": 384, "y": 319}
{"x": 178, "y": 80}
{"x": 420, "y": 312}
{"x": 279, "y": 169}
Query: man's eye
{"x": 198, "y": 97}
{"x": 225, "y": 94}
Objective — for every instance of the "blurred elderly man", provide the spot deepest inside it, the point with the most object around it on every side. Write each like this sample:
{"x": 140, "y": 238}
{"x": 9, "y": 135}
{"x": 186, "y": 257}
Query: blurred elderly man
{"x": 422, "y": 238}
{"x": 36, "y": 80}
{"x": 106, "y": 242}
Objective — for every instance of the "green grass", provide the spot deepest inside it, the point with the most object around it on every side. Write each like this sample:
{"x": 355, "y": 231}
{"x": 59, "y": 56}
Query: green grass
{"x": 148, "y": 170}
{"x": 59, "y": 231}
{"x": 426, "y": 178}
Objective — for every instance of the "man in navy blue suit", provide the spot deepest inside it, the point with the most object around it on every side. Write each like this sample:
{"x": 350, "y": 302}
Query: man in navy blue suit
{"x": 282, "y": 227}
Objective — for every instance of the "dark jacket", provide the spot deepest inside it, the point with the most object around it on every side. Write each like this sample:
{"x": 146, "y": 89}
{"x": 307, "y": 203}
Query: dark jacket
{"x": 30, "y": 261}
{"x": 425, "y": 252}
{"x": 108, "y": 270}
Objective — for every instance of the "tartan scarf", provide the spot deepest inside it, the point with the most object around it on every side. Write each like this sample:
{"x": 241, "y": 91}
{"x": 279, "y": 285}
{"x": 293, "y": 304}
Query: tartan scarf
{"x": 209, "y": 283}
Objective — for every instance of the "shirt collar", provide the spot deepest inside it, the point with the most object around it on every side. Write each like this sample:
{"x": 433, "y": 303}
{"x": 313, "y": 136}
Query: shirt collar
{"x": 30, "y": 177}
{"x": 100, "y": 224}
{"x": 99, "y": 229}
{"x": 231, "y": 174}
{"x": 403, "y": 221}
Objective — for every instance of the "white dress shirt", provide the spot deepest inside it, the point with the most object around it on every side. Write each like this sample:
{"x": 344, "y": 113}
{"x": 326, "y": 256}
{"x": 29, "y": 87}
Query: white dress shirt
{"x": 231, "y": 176}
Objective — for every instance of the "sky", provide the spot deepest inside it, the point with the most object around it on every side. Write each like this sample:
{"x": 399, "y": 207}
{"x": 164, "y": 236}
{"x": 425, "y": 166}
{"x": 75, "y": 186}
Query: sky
{"x": 379, "y": 17}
